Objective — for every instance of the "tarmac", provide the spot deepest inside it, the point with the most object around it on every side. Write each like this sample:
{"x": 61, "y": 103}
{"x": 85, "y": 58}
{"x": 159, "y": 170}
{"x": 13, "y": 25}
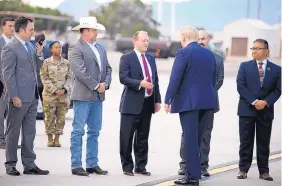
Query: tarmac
{"x": 164, "y": 143}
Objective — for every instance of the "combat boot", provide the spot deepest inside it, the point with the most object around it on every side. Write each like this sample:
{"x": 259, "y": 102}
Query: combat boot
{"x": 50, "y": 141}
{"x": 56, "y": 140}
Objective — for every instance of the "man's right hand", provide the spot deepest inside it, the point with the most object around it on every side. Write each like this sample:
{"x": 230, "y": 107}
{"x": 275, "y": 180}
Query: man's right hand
{"x": 102, "y": 88}
{"x": 145, "y": 84}
{"x": 17, "y": 102}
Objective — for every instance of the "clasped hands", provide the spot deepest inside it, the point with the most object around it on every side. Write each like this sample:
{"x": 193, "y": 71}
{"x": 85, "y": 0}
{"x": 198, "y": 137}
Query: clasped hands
{"x": 60, "y": 92}
{"x": 260, "y": 104}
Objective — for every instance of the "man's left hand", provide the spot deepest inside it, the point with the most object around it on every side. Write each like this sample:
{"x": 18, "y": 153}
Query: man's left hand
{"x": 157, "y": 107}
{"x": 167, "y": 108}
{"x": 260, "y": 104}
{"x": 39, "y": 49}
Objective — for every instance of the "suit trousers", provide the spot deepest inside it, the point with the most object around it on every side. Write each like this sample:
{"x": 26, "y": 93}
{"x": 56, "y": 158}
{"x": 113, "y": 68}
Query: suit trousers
{"x": 23, "y": 118}
{"x": 137, "y": 125}
{"x": 193, "y": 126}
{"x": 3, "y": 107}
{"x": 205, "y": 147}
{"x": 247, "y": 128}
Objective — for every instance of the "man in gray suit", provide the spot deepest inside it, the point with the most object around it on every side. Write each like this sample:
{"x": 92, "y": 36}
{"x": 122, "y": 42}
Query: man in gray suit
{"x": 19, "y": 61}
{"x": 92, "y": 76}
{"x": 7, "y": 25}
{"x": 204, "y": 40}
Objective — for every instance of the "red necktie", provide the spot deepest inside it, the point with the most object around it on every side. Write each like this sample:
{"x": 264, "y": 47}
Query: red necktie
{"x": 147, "y": 73}
{"x": 261, "y": 73}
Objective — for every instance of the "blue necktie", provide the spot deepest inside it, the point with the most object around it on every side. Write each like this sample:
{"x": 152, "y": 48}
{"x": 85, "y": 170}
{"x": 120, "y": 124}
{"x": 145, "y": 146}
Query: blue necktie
{"x": 28, "y": 49}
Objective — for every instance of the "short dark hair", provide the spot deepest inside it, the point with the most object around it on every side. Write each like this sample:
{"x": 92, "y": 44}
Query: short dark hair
{"x": 54, "y": 42}
{"x": 81, "y": 30}
{"x": 5, "y": 19}
{"x": 37, "y": 37}
{"x": 21, "y": 22}
{"x": 263, "y": 41}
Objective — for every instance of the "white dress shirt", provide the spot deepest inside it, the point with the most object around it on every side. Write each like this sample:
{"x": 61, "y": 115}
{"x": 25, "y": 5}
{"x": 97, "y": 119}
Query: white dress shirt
{"x": 96, "y": 52}
{"x": 143, "y": 70}
{"x": 264, "y": 68}
{"x": 7, "y": 40}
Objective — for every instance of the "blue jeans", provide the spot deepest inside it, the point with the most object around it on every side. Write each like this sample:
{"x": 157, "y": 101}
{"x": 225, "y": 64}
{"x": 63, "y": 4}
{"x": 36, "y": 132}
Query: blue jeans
{"x": 89, "y": 113}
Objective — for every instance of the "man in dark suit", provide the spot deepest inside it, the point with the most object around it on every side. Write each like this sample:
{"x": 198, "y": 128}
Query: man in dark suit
{"x": 18, "y": 62}
{"x": 140, "y": 98}
{"x": 204, "y": 40}
{"x": 191, "y": 93}
{"x": 7, "y": 25}
{"x": 259, "y": 86}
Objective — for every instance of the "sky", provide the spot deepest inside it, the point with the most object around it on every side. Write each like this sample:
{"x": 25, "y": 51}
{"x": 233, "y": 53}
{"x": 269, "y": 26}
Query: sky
{"x": 55, "y": 3}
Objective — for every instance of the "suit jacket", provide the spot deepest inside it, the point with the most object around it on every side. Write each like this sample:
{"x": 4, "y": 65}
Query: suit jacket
{"x": 249, "y": 89}
{"x": 219, "y": 76}
{"x": 2, "y": 44}
{"x": 130, "y": 75}
{"x": 86, "y": 71}
{"x": 19, "y": 70}
{"x": 192, "y": 80}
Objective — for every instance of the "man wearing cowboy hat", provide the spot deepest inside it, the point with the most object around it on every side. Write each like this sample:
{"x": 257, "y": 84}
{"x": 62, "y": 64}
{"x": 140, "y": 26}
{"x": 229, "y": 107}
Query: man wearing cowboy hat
{"x": 92, "y": 76}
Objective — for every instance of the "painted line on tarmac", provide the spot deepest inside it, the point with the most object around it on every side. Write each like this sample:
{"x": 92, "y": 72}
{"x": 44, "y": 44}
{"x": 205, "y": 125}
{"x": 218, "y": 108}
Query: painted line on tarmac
{"x": 275, "y": 156}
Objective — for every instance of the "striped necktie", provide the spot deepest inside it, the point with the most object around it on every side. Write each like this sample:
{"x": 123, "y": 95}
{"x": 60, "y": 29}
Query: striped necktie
{"x": 261, "y": 73}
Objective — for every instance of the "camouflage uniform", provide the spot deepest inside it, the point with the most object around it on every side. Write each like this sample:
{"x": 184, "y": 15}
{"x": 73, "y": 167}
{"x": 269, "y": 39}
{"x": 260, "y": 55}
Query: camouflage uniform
{"x": 55, "y": 75}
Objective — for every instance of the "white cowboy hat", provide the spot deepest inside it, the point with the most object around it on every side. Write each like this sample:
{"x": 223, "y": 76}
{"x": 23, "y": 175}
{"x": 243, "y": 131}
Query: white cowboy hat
{"x": 89, "y": 22}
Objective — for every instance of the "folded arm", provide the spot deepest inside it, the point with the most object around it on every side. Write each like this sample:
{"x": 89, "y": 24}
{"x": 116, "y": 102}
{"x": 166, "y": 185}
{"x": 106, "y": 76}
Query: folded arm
{"x": 67, "y": 84}
{"x": 157, "y": 88}
{"x": 220, "y": 76}
{"x": 276, "y": 93}
{"x": 108, "y": 79}
{"x": 125, "y": 79}
{"x": 242, "y": 89}
{"x": 178, "y": 69}
{"x": 44, "y": 75}
{"x": 9, "y": 63}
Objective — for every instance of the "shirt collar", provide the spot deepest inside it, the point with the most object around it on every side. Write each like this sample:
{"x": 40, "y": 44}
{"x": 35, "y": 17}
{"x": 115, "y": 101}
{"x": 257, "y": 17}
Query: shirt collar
{"x": 264, "y": 61}
{"x": 7, "y": 40}
{"x": 93, "y": 44}
{"x": 22, "y": 41}
{"x": 138, "y": 53}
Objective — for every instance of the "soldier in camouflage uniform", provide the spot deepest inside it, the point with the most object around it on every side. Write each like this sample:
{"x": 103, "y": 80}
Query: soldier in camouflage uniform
{"x": 56, "y": 78}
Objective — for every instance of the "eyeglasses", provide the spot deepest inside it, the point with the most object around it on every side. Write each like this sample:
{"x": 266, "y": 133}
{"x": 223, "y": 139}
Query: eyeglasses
{"x": 256, "y": 49}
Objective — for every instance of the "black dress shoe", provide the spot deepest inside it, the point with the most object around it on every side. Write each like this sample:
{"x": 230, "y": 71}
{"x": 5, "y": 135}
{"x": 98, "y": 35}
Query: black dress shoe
{"x": 79, "y": 172}
{"x": 12, "y": 171}
{"x": 142, "y": 172}
{"x": 128, "y": 173}
{"x": 36, "y": 171}
{"x": 242, "y": 175}
{"x": 186, "y": 181}
{"x": 266, "y": 176}
{"x": 97, "y": 170}
{"x": 181, "y": 171}
{"x": 205, "y": 172}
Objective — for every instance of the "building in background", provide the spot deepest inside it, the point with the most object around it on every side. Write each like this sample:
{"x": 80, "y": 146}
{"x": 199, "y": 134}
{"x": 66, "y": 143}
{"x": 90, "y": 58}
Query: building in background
{"x": 239, "y": 36}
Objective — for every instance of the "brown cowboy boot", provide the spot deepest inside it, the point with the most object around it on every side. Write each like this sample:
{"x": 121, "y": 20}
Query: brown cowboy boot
{"x": 56, "y": 140}
{"x": 50, "y": 141}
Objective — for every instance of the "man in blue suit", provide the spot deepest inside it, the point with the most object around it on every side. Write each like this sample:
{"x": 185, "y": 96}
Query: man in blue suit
{"x": 259, "y": 86}
{"x": 140, "y": 98}
{"x": 191, "y": 93}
